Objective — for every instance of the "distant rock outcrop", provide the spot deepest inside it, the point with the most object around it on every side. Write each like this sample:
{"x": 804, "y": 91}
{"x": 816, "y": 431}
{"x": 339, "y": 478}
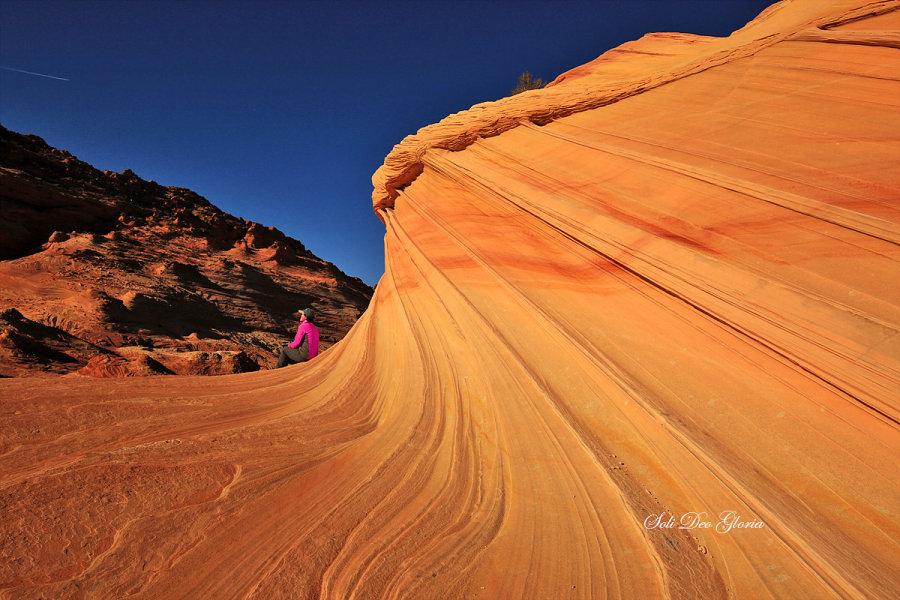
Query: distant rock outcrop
{"x": 97, "y": 264}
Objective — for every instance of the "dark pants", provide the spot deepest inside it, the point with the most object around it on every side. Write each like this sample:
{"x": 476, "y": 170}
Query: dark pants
{"x": 293, "y": 355}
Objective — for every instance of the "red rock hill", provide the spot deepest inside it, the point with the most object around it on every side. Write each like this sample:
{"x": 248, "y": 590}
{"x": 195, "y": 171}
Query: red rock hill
{"x": 107, "y": 274}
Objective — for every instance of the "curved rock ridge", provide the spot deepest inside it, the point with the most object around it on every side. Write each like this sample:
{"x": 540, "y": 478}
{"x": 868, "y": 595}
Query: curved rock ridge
{"x": 634, "y": 67}
{"x": 676, "y": 309}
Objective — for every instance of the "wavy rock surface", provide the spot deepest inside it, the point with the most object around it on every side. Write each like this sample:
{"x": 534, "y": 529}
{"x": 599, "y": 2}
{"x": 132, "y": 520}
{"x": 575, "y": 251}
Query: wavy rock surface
{"x": 683, "y": 300}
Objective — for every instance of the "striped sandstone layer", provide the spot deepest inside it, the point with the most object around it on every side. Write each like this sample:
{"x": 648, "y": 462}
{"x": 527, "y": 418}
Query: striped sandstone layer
{"x": 678, "y": 295}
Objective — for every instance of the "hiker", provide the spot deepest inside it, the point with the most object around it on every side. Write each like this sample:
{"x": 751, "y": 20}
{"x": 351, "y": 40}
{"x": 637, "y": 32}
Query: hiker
{"x": 306, "y": 343}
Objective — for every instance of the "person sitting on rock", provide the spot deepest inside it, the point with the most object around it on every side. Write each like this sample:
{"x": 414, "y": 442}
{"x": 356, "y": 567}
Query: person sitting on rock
{"x": 306, "y": 343}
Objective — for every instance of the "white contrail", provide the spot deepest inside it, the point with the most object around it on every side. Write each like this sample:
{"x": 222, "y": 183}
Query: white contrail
{"x": 33, "y": 73}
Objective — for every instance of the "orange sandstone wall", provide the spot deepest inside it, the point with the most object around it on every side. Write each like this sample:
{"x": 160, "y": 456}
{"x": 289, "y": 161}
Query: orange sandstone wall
{"x": 671, "y": 289}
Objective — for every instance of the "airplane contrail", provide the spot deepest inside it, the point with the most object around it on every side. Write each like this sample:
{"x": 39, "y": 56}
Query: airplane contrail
{"x": 33, "y": 73}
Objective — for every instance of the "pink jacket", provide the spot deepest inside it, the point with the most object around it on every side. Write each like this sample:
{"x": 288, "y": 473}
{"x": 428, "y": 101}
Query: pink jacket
{"x": 312, "y": 332}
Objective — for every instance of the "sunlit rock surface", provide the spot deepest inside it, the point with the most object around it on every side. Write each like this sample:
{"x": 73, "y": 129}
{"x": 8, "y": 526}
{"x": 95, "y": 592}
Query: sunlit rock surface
{"x": 104, "y": 274}
{"x": 663, "y": 299}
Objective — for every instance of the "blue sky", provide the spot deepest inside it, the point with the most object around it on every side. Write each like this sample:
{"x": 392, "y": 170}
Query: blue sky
{"x": 280, "y": 112}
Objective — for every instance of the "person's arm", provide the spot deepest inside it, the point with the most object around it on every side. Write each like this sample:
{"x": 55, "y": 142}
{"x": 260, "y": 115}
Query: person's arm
{"x": 297, "y": 338}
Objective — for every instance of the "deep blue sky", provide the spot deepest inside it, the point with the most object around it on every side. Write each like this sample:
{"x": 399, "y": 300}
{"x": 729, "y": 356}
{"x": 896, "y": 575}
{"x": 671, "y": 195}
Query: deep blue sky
{"x": 279, "y": 112}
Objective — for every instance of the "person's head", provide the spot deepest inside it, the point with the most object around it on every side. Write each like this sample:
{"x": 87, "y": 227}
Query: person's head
{"x": 306, "y": 314}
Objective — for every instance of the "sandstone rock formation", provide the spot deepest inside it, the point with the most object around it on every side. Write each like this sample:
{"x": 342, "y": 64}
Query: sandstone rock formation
{"x": 118, "y": 276}
{"x": 678, "y": 298}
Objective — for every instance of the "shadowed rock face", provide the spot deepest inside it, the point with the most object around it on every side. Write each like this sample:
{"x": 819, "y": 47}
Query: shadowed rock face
{"x": 108, "y": 261}
{"x": 675, "y": 300}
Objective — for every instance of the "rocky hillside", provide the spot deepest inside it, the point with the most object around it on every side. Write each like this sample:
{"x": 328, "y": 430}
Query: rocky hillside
{"x": 106, "y": 274}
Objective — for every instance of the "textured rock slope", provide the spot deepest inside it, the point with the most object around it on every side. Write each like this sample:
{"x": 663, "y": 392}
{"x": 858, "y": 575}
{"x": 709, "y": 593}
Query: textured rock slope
{"x": 676, "y": 298}
{"x": 111, "y": 275}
